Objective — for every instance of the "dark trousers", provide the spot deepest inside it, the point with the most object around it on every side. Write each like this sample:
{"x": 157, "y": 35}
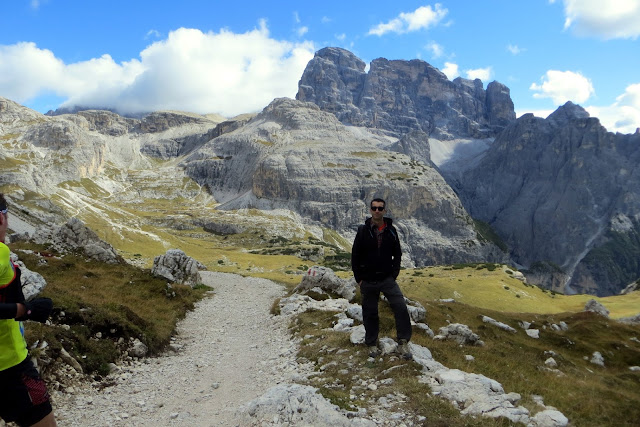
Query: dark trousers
{"x": 370, "y": 291}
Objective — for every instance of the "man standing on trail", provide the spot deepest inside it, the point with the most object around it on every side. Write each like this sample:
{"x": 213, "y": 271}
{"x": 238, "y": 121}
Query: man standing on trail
{"x": 375, "y": 261}
{"x": 23, "y": 395}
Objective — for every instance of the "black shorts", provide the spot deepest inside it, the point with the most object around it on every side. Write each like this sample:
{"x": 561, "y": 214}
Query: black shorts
{"x": 23, "y": 395}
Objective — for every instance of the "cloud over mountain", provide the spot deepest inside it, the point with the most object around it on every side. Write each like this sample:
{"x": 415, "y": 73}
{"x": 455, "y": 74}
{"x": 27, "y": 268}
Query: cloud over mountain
{"x": 221, "y": 72}
{"x": 563, "y": 86}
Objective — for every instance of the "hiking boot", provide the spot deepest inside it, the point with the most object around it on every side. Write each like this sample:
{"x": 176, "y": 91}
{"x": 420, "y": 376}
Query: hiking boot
{"x": 374, "y": 351}
{"x": 403, "y": 349}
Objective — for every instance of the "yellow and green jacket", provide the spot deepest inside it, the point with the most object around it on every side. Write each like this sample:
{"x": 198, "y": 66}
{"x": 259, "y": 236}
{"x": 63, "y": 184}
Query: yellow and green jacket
{"x": 13, "y": 348}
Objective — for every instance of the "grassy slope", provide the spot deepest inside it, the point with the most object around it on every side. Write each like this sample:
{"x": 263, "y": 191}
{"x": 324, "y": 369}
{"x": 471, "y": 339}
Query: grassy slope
{"x": 589, "y": 395}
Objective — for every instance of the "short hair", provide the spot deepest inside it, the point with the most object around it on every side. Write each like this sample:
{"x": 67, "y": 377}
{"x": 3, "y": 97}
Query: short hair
{"x": 3, "y": 202}
{"x": 379, "y": 200}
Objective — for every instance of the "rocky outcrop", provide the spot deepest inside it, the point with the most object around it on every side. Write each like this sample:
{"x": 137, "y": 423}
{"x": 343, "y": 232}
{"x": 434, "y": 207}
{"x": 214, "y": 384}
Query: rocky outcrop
{"x": 107, "y": 123}
{"x": 564, "y": 192}
{"x": 459, "y": 333}
{"x": 75, "y": 236}
{"x": 326, "y": 280}
{"x": 596, "y": 307}
{"x": 414, "y": 144}
{"x": 402, "y": 96}
{"x": 163, "y": 120}
{"x": 294, "y": 404}
{"x": 294, "y": 156}
{"x": 177, "y": 267}
{"x": 32, "y": 283}
{"x": 177, "y": 145}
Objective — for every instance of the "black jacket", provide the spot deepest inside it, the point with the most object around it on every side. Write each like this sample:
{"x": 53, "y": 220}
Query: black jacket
{"x": 369, "y": 262}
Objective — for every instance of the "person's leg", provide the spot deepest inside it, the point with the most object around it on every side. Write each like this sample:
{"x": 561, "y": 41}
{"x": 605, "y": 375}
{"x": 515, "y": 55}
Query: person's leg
{"x": 370, "y": 297}
{"x": 48, "y": 421}
{"x": 394, "y": 295}
{"x": 30, "y": 397}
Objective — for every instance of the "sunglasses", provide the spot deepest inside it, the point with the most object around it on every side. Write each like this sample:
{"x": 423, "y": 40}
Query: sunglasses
{"x": 377, "y": 208}
{"x": 4, "y": 211}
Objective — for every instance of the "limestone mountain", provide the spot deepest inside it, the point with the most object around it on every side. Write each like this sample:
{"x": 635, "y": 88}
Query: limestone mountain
{"x": 565, "y": 193}
{"x": 294, "y": 156}
{"x": 400, "y": 96}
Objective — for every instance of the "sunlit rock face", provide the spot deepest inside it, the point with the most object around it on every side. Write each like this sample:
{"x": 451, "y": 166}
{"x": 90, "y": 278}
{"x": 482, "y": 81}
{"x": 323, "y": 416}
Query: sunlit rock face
{"x": 400, "y": 96}
{"x": 295, "y": 156}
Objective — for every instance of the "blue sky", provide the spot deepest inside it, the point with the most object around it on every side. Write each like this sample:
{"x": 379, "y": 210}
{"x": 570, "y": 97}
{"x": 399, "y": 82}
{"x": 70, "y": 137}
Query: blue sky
{"x": 235, "y": 57}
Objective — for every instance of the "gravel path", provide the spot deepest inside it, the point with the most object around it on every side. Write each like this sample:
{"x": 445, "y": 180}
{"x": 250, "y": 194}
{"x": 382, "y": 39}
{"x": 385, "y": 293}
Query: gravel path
{"x": 230, "y": 351}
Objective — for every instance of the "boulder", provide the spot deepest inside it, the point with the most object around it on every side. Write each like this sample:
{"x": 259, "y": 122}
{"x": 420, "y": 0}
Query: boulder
{"x": 596, "y": 307}
{"x": 177, "y": 267}
{"x": 32, "y": 283}
{"x": 503, "y": 326}
{"x": 326, "y": 279}
{"x": 75, "y": 236}
{"x": 138, "y": 348}
{"x": 460, "y": 333}
{"x": 633, "y": 320}
{"x": 549, "y": 418}
{"x": 597, "y": 359}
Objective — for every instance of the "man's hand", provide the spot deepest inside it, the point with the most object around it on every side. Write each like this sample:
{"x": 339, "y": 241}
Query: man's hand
{"x": 21, "y": 310}
{"x": 37, "y": 309}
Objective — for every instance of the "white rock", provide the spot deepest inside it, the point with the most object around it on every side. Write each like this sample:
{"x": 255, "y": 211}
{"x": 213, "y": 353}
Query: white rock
{"x": 533, "y": 333}
{"x": 549, "y": 418}
{"x": 597, "y": 359}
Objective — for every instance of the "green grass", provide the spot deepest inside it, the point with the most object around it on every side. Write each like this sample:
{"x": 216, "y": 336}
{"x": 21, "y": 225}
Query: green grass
{"x": 119, "y": 301}
{"x": 482, "y": 286}
{"x": 587, "y": 394}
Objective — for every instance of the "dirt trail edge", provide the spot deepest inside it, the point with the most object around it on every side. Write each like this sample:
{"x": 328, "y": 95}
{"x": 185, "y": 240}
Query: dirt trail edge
{"x": 230, "y": 351}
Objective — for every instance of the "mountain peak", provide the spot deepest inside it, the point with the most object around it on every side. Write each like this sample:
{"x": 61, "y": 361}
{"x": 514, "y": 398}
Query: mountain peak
{"x": 567, "y": 112}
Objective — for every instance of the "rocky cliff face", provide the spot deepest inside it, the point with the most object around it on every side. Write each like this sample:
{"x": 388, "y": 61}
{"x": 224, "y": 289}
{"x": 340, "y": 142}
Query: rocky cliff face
{"x": 295, "y": 156}
{"x": 563, "y": 191}
{"x": 398, "y": 97}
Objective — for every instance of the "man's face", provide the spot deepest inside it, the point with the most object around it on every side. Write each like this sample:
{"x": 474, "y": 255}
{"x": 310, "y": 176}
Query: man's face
{"x": 377, "y": 210}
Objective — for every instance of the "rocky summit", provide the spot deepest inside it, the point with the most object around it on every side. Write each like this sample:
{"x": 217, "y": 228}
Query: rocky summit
{"x": 402, "y": 96}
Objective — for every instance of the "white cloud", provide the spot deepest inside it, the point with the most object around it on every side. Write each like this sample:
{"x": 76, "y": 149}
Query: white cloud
{"x": 152, "y": 34}
{"x": 325, "y": 20}
{"x": 538, "y": 113}
{"x": 563, "y": 86}
{"x": 341, "y": 37}
{"x": 515, "y": 49}
{"x": 451, "y": 70}
{"x": 302, "y": 31}
{"x": 422, "y": 17}
{"x": 193, "y": 71}
{"x": 624, "y": 114}
{"x": 607, "y": 19}
{"x": 483, "y": 74}
{"x": 436, "y": 50}
{"x": 296, "y": 17}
